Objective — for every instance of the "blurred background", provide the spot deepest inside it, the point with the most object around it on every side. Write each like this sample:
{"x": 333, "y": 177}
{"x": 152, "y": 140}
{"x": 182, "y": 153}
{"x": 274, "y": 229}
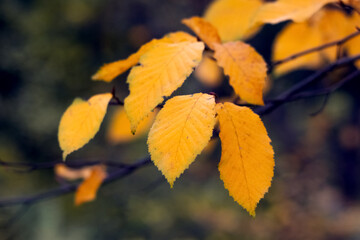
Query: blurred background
{"x": 50, "y": 49}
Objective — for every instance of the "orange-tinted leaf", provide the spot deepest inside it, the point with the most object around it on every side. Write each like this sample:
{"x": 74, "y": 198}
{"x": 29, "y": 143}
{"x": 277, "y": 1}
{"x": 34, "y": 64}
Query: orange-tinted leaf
{"x": 208, "y": 72}
{"x": 247, "y": 158}
{"x": 180, "y": 132}
{"x": 296, "y": 10}
{"x": 246, "y": 69}
{"x": 111, "y": 70}
{"x": 232, "y": 18}
{"x": 81, "y": 121}
{"x": 204, "y": 30}
{"x": 294, "y": 38}
{"x": 119, "y": 129}
{"x": 67, "y": 173}
{"x": 87, "y": 190}
{"x": 162, "y": 70}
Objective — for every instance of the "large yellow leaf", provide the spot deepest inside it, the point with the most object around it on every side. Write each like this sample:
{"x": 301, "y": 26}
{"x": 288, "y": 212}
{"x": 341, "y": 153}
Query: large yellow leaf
{"x": 294, "y": 38}
{"x": 232, "y": 18}
{"x": 111, "y": 70}
{"x": 180, "y": 132}
{"x": 282, "y": 10}
{"x": 246, "y": 69}
{"x": 247, "y": 158}
{"x": 119, "y": 128}
{"x": 87, "y": 190}
{"x": 204, "y": 30}
{"x": 162, "y": 70}
{"x": 81, "y": 121}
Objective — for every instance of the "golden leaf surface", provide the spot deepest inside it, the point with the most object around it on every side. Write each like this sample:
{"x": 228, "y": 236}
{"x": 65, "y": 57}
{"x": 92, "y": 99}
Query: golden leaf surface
{"x": 87, "y": 190}
{"x": 111, "y": 70}
{"x": 208, "y": 72}
{"x": 247, "y": 158}
{"x": 246, "y": 70}
{"x": 119, "y": 128}
{"x": 282, "y": 10}
{"x": 162, "y": 70}
{"x": 81, "y": 121}
{"x": 232, "y": 18}
{"x": 180, "y": 132}
{"x": 204, "y": 30}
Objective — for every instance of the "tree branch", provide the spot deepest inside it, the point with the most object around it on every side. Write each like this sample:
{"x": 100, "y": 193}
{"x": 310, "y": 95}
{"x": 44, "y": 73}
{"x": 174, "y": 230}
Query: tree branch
{"x": 315, "y": 49}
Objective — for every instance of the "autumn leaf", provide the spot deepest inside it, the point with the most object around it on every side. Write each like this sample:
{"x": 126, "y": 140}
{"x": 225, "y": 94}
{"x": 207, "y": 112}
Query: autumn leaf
{"x": 208, "y": 72}
{"x": 282, "y": 10}
{"x": 81, "y": 121}
{"x": 162, "y": 70}
{"x": 180, "y": 132}
{"x": 111, "y": 70}
{"x": 232, "y": 18}
{"x": 246, "y": 70}
{"x": 87, "y": 190}
{"x": 289, "y": 42}
{"x": 119, "y": 128}
{"x": 204, "y": 30}
{"x": 247, "y": 158}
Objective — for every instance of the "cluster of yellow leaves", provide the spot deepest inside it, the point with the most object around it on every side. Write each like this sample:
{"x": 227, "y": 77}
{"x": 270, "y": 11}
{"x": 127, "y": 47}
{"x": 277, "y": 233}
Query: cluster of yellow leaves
{"x": 184, "y": 126}
{"x": 325, "y": 26}
{"x": 92, "y": 179}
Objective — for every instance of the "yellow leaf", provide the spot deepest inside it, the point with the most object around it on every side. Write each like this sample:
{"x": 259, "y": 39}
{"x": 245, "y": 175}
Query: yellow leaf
{"x": 282, "y": 10}
{"x": 81, "y": 121}
{"x": 180, "y": 132}
{"x": 111, "y": 70}
{"x": 232, "y": 18}
{"x": 87, "y": 190}
{"x": 162, "y": 70}
{"x": 204, "y": 30}
{"x": 246, "y": 70}
{"x": 294, "y": 38}
{"x": 63, "y": 171}
{"x": 119, "y": 129}
{"x": 208, "y": 72}
{"x": 247, "y": 158}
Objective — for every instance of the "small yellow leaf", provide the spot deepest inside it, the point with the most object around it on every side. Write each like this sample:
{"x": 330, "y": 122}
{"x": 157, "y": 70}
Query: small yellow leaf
{"x": 119, "y": 129}
{"x": 87, "y": 190}
{"x": 111, "y": 70}
{"x": 294, "y": 38}
{"x": 204, "y": 30}
{"x": 208, "y": 72}
{"x": 232, "y": 18}
{"x": 65, "y": 172}
{"x": 180, "y": 132}
{"x": 282, "y": 10}
{"x": 81, "y": 121}
{"x": 246, "y": 70}
{"x": 247, "y": 158}
{"x": 162, "y": 70}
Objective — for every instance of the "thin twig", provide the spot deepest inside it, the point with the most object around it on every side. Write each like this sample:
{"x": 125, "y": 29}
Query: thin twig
{"x": 64, "y": 189}
{"x": 315, "y": 49}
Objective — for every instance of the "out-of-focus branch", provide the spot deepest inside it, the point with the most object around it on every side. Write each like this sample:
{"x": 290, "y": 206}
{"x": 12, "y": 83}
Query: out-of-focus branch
{"x": 338, "y": 43}
{"x": 64, "y": 189}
